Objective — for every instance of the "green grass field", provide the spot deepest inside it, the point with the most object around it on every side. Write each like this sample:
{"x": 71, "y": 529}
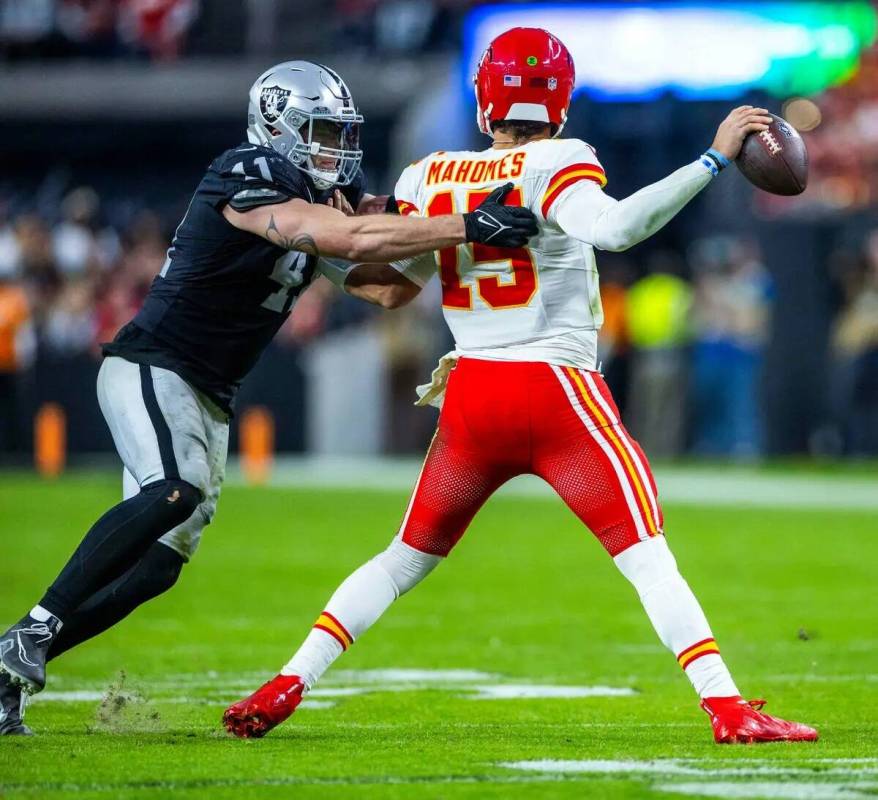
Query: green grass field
{"x": 527, "y": 603}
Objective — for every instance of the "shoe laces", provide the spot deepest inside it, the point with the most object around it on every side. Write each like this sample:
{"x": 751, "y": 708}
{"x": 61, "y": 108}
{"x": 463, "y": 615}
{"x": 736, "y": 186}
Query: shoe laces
{"x": 35, "y": 629}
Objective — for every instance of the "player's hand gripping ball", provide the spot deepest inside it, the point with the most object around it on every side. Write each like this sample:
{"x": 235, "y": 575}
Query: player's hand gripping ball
{"x": 776, "y": 159}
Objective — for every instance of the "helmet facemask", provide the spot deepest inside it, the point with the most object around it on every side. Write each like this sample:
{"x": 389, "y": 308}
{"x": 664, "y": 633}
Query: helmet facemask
{"x": 326, "y": 146}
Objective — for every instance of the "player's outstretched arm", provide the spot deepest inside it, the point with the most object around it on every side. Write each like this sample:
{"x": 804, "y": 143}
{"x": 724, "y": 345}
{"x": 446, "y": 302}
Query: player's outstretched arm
{"x": 379, "y": 238}
{"x": 387, "y": 285}
{"x": 587, "y": 214}
{"x": 380, "y": 284}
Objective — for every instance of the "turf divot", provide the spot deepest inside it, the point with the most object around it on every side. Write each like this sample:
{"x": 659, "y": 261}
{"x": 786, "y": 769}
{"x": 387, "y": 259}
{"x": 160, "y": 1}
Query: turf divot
{"x": 125, "y": 709}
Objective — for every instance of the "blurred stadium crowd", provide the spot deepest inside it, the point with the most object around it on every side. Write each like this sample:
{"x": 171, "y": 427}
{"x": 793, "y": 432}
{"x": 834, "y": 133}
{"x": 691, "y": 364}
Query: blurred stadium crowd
{"x": 681, "y": 345}
{"x": 164, "y": 30}
{"x": 687, "y": 325}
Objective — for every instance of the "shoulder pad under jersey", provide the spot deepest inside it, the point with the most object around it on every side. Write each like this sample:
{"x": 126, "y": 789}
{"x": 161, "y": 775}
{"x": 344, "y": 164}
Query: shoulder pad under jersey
{"x": 252, "y": 175}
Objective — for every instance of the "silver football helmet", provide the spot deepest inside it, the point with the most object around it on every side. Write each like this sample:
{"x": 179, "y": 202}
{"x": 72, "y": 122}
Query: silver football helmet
{"x": 305, "y": 112}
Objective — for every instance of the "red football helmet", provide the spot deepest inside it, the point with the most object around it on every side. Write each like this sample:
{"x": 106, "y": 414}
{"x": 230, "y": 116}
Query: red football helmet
{"x": 524, "y": 74}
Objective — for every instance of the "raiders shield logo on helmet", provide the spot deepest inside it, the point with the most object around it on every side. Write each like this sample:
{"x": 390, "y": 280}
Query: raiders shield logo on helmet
{"x": 272, "y": 102}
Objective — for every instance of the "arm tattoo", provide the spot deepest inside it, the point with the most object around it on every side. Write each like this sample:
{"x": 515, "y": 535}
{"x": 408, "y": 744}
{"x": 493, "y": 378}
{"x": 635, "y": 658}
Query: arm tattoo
{"x": 302, "y": 242}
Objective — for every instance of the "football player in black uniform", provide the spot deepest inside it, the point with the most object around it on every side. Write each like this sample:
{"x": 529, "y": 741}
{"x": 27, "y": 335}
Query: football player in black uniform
{"x": 257, "y": 232}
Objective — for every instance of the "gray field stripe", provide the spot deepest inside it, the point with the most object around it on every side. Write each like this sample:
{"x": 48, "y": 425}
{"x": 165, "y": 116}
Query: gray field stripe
{"x": 777, "y": 769}
{"x": 708, "y": 485}
{"x": 228, "y": 783}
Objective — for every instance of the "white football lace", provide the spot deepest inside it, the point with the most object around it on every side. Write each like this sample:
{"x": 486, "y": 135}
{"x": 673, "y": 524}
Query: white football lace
{"x": 772, "y": 143}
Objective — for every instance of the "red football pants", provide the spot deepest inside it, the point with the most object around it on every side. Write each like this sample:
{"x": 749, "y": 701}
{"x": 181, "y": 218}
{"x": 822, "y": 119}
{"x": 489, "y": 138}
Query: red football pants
{"x": 501, "y": 419}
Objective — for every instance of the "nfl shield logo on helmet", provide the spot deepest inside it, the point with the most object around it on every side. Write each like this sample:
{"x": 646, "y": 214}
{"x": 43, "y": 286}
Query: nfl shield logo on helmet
{"x": 552, "y": 84}
{"x": 272, "y": 102}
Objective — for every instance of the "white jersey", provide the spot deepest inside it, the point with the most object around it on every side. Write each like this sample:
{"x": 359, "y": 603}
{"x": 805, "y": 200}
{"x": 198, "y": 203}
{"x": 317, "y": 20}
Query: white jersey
{"x": 535, "y": 303}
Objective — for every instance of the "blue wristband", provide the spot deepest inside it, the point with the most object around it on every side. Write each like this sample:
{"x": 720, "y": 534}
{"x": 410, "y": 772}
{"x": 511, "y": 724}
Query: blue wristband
{"x": 724, "y": 162}
{"x": 714, "y": 161}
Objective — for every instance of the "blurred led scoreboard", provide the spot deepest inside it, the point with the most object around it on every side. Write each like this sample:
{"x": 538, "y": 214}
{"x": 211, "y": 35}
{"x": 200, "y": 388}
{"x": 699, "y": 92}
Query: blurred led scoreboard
{"x": 636, "y": 51}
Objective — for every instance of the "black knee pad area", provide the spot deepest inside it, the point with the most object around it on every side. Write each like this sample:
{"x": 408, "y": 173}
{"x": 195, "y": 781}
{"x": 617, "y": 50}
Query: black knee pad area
{"x": 159, "y": 569}
{"x": 180, "y": 498}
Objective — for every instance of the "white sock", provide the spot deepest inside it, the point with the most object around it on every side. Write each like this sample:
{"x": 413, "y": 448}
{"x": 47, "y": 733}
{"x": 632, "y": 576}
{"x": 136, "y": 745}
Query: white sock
{"x": 357, "y": 605}
{"x": 676, "y": 615}
{"x": 41, "y": 614}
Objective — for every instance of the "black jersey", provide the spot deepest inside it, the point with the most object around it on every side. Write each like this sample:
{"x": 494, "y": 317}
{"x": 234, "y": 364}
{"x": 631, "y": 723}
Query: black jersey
{"x": 223, "y": 293}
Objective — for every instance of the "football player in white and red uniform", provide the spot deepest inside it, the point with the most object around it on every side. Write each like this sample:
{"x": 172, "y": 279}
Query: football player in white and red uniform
{"x": 521, "y": 392}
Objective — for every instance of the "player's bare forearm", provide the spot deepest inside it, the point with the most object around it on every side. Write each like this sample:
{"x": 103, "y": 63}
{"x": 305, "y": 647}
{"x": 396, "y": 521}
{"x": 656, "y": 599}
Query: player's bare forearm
{"x": 387, "y": 237}
{"x": 381, "y": 285}
{"x": 323, "y": 231}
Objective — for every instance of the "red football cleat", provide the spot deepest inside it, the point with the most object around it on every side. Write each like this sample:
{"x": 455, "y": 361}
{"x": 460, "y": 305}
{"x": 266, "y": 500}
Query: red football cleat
{"x": 266, "y": 708}
{"x": 739, "y": 721}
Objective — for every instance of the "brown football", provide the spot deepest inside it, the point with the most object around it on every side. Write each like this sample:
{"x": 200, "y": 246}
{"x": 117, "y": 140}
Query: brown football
{"x": 775, "y": 160}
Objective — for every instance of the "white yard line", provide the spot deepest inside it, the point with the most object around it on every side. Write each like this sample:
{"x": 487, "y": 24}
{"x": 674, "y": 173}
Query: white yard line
{"x": 215, "y": 688}
{"x": 536, "y": 692}
{"x": 813, "y": 678}
{"x": 694, "y": 768}
{"x": 317, "y": 704}
{"x": 397, "y": 675}
{"x": 71, "y": 696}
{"x": 689, "y": 485}
{"x": 769, "y": 791}
{"x": 805, "y": 779}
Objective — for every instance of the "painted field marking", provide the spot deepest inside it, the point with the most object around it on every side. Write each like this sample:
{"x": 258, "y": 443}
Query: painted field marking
{"x": 339, "y": 691}
{"x": 316, "y": 704}
{"x": 396, "y": 675}
{"x": 469, "y": 684}
{"x": 769, "y": 791}
{"x": 688, "y": 767}
{"x": 819, "y": 780}
{"x": 71, "y": 696}
{"x": 703, "y": 485}
{"x": 813, "y": 678}
{"x": 536, "y": 692}
{"x": 502, "y": 692}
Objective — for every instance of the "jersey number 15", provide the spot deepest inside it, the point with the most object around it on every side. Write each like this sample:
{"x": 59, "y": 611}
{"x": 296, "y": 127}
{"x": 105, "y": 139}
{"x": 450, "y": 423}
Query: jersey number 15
{"x": 456, "y": 294}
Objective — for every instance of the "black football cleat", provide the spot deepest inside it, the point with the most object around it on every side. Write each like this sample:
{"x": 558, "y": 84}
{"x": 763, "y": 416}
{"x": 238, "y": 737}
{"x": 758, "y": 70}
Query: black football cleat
{"x": 12, "y": 702}
{"x": 23, "y": 650}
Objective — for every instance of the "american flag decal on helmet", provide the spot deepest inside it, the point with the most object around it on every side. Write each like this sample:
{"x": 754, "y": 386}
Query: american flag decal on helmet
{"x": 512, "y": 80}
